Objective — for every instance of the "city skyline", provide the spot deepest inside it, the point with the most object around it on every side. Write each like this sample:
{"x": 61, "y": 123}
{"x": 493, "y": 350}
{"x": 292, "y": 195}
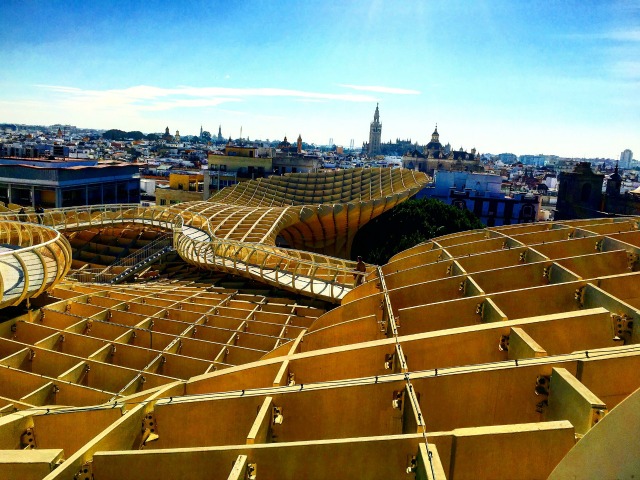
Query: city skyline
{"x": 555, "y": 79}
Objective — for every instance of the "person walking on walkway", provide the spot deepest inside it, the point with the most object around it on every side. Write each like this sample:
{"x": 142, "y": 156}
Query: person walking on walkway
{"x": 40, "y": 213}
{"x": 361, "y": 269}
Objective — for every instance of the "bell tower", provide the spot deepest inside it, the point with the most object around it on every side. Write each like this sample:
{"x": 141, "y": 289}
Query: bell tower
{"x": 375, "y": 133}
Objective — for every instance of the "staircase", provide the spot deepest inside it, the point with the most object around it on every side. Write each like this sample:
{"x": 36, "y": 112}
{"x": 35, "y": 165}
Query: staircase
{"x": 133, "y": 263}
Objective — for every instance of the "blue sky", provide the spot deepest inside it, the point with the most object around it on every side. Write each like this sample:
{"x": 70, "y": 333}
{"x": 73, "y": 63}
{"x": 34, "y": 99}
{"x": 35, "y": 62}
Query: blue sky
{"x": 554, "y": 77}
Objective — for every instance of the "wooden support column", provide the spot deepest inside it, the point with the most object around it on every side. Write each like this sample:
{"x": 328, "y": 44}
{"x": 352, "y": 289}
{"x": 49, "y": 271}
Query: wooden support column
{"x": 239, "y": 469}
{"x": 428, "y": 464}
{"x": 261, "y": 427}
{"x": 121, "y": 435}
{"x": 521, "y": 345}
{"x": 570, "y": 400}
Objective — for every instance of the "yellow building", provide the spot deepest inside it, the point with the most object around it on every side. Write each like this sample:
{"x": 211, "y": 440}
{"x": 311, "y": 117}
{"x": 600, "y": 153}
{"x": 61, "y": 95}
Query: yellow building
{"x": 246, "y": 162}
{"x": 181, "y": 188}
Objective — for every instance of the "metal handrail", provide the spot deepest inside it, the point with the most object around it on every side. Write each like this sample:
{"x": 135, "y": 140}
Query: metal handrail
{"x": 275, "y": 260}
{"x": 32, "y": 247}
{"x": 141, "y": 264}
{"x": 132, "y": 259}
{"x": 291, "y": 262}
{"x": 55, "y": 248}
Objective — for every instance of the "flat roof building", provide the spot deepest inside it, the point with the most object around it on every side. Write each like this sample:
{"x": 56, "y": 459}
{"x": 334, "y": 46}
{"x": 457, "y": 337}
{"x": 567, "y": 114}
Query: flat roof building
{"x": 67, "y": 183}
{"x": 482, "y": 194}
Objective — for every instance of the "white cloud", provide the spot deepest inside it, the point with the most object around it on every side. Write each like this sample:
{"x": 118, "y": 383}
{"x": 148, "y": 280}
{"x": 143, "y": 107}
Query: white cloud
{"x": 381, "y": 89}
{"x": 620, "y": 35}
{"x": 146, "y": 97}
{"x": 629, "y": 69}
{"x": 188, "y": 103}
{"x": 631, "y": 35}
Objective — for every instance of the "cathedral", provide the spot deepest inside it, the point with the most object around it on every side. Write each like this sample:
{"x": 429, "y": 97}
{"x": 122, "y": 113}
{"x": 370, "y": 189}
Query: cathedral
{"x": 435, "y": 156}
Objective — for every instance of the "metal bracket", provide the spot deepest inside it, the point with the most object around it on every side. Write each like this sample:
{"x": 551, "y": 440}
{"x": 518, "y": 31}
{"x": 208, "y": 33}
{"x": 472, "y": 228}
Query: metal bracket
{"x": 542, "y": 385}
{"x": 579, "y": 295}
{"x": 276, "y": 416}
{"x": 28, "y": 439}
{"x": 623, "y": 327}
{"x": 597, "y": 415}
{"x": 632, "y": 260}
{"x": 546, "y": 272}
{"x": 542, "y": 389}
{"x": 85, "y": 472}
{"x": 252, "y": 471}
{"x": 412, "y": 464}
{"x": 542, "y": 405}
{"x": 398, "y": 397}
{"x": 390, "y": 361}
{"x": 503, "y": 346}
{"x": 149, "y": 430}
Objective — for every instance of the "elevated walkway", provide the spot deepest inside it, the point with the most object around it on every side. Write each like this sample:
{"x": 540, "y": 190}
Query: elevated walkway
{"x": 314, "y": 275}
{"x": 236, "y": 230}
{"x": 33, "y": 258}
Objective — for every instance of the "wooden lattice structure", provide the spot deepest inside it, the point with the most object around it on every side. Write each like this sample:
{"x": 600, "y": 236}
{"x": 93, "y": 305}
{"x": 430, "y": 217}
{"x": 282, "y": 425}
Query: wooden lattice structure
{"x": 498, "y": 353}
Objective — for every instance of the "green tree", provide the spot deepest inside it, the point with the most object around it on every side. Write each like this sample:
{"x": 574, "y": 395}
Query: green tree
{"x": 406, "y": 225}
{"x": 135, "y": 135}
{"x": 114, "y": 134}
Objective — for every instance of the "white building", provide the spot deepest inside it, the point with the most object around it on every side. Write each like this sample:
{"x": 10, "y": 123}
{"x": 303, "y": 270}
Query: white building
{"x": 481, "y": 193}
{"x": 625, "y": 158}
